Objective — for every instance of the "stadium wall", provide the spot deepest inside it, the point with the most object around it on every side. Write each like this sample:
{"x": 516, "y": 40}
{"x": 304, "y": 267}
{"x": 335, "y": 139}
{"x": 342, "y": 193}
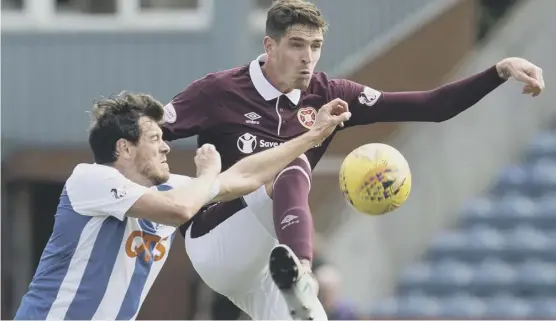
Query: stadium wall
{"x": 450, "y": 161}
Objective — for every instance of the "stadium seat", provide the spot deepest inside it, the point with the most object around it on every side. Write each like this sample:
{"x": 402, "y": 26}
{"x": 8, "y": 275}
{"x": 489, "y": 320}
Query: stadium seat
{"x": 512, "y": 179}
{"x": 414, "y": 306}
{"x": 543, "y": 176}
{"x": 470, "y": 244}
{"x": 418, "y": 307}
{"x": 462, "y": 305}
{"x": 492, "y": 276}
{"x": 544, "y": 145}
{"x": 536, "y": 278}
{"x": 544, "y": 308}
{"x": 507, "y": 307}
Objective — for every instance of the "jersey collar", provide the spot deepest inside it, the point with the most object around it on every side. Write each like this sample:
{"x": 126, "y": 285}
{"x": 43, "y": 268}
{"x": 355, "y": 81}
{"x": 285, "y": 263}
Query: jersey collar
{"x": 264, "y": 87}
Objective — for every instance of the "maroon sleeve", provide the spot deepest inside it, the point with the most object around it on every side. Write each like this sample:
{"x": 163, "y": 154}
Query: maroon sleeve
{"x": 189, "y": 112}
{"x": 369, "y": 106}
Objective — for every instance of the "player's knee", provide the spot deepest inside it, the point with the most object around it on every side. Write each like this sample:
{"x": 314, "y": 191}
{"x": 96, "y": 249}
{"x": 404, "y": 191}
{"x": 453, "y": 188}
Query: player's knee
{"x": 306, "y": 160}
{"x": 293, "y": 173}
{"x": 300, "y": 168}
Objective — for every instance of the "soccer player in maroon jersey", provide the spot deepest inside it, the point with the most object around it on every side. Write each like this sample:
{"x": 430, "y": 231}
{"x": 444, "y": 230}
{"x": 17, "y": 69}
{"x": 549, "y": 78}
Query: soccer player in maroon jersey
{"x": 273, "y": 99}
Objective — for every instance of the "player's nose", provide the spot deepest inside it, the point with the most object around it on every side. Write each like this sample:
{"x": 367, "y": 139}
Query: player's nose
{"x": 164, "y": 148}
{"x": 307, "y": 56}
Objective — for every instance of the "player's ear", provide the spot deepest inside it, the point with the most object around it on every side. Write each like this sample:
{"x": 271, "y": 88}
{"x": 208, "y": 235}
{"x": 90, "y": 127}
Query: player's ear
{"x": 269, "y": 44}
{"x": 123, "y": 148}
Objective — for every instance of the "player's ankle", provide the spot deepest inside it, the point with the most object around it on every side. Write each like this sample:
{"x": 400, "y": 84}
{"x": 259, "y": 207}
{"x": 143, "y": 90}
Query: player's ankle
{"x": 306, "y": 264}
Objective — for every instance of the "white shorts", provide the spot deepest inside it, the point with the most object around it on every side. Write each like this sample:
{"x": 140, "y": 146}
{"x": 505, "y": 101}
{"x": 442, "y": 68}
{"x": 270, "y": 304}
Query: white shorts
{"x": 232, "y": 259}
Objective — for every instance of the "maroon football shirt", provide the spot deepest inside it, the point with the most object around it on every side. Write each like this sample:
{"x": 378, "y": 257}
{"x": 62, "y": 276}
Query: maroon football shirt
{"x": 241, "y": 113}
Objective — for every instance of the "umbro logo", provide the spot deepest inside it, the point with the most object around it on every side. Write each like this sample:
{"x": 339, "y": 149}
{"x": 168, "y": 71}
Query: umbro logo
{"x": 252, "y": 118}
{"x": 289, "y": 220}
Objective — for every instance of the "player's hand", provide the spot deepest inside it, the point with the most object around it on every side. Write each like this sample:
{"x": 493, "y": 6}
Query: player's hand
{"x": 522, "y": 71}
{"x": 333, "y": 114}
{"x": 208, "y": 161}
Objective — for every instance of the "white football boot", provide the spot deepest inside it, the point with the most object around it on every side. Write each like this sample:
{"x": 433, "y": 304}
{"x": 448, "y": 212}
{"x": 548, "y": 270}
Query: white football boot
{"x": 296, "y": 282}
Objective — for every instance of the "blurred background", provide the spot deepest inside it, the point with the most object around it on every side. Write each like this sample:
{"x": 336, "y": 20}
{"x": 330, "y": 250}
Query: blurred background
{"x": 477, "y": 237}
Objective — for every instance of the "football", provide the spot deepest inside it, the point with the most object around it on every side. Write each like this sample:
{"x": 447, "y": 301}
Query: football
{"x": 375, "y": 179}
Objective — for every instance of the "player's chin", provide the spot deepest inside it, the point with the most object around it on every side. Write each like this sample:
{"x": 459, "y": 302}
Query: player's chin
{"x": 161, "y": 177}
{"x": 302, "y": 83}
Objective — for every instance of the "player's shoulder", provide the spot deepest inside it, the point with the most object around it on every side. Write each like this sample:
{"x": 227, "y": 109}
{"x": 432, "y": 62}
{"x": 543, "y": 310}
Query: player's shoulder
{"x": 324, "y": 86}
{"x": 213, "y": 82}
{"x": 88, "y": 176}
{"x": 321, "y": 81}
{"x": 92, "y": 172}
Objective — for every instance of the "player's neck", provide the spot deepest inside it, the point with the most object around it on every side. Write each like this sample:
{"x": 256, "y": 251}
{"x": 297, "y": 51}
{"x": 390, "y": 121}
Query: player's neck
{"x": 269, "y": 72}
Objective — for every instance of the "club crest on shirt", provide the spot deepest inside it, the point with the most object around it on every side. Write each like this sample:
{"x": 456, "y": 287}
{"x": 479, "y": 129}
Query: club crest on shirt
{"x": 307, "y": 116}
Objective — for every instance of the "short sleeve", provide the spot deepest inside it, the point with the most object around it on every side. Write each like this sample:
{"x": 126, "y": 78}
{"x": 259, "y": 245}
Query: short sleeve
{"x": 98, "y": 190}
{"x": 362, "y": 100}
{"x": 176, "y": 181}
{"x": 188, "y": 114}
{"x": 214, "y": 190}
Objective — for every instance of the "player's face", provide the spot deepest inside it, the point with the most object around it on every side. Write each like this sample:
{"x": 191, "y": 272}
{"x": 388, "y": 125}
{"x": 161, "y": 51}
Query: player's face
{"x": 150, "y": 153}
{"x": 296, "y": 55}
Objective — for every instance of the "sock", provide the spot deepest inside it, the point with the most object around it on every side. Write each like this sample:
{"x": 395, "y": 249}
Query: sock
{"x": 293, "y": 221}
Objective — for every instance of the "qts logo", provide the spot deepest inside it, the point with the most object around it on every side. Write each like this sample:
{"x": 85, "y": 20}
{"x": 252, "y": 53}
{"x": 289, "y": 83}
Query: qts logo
{"x": 139, "y": 243}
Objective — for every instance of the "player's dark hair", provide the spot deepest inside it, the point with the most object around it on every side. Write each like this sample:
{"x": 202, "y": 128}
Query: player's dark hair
{"x": 283, "y": 14}
{"x": 118, "y": 117}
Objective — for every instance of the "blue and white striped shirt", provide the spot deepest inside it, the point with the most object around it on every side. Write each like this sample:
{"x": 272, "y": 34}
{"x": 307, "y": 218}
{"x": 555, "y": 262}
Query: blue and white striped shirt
{"x": 98, "y": 263}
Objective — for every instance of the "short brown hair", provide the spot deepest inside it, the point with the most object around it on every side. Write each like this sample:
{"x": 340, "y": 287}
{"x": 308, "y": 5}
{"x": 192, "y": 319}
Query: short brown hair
{"x": 118, "y": 117}
{"x": 283, "y": 14}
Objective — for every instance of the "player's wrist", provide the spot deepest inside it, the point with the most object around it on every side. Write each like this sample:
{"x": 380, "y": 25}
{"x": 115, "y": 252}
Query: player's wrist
{"x": 316, "y": 135}
{"x": 503, "y": 70}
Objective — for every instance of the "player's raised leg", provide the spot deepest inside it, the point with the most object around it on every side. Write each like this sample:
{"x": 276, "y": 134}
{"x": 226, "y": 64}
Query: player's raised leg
{"x": 290, "y": 261}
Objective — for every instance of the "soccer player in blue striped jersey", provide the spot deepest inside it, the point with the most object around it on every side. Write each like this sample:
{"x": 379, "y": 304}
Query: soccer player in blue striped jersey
{"x": 117, "y": 217}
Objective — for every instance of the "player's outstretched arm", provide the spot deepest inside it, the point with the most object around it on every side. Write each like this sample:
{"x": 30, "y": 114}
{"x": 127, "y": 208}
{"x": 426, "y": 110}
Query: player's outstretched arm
{"x": 254, "y": 171}
{"x": 178, "y": 205}
{"x": 439, "y": 104}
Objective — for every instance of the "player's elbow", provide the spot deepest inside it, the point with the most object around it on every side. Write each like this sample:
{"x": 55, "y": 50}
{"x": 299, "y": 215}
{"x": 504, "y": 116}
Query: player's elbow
{"x": 180, "y": 211}
{"x": 162, "y": 208}
{"x": 179, "y": 214}
{"x": 185, "y": 212}
{"x": 445, "y": 115}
